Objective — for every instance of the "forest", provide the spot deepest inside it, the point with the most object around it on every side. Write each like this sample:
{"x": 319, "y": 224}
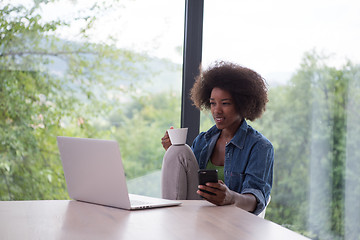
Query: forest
{"x": 101, "y": 91}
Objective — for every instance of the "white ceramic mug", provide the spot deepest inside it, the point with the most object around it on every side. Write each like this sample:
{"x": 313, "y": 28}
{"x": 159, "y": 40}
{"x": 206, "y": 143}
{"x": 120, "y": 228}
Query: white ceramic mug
{"x": 178, "y": 136}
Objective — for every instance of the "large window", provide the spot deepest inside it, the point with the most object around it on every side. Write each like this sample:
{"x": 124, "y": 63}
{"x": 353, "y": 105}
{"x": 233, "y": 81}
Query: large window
{"x": 97, "y": 69}
{"x": 308, "y": 53}
{"x": 112, "y": 69}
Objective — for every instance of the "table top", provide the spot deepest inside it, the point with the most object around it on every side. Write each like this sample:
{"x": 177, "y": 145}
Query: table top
{"x": 193, "y": 219}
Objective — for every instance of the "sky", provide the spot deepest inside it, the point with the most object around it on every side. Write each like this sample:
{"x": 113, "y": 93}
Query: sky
{"x": 270, "y": 37}
{"x": 273, "y": 35}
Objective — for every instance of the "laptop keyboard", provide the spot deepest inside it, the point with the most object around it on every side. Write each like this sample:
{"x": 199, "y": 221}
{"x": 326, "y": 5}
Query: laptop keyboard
{"x": 136, "y": 202}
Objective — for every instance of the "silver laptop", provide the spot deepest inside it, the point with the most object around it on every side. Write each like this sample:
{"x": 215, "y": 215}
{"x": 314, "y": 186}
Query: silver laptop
{"x": 94, "y": 173}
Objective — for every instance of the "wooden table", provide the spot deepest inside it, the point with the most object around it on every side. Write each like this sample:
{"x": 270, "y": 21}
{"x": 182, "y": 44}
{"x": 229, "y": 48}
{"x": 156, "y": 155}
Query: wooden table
{"x": 63, "y": 219}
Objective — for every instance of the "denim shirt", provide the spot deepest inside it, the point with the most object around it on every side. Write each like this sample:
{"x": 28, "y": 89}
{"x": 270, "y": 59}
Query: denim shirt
{"x": 249, "y": 159}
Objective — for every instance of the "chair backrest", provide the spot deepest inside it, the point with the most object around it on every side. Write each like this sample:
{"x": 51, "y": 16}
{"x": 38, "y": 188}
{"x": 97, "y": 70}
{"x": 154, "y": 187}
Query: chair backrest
{"x": 262, "y": 214}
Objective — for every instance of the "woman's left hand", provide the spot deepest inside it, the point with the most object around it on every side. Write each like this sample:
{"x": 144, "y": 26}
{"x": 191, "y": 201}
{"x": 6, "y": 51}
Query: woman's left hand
{"x": 223, "y": 195}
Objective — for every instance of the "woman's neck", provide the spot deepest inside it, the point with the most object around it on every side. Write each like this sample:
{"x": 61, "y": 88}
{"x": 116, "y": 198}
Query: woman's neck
{"x": 229, "y": 133}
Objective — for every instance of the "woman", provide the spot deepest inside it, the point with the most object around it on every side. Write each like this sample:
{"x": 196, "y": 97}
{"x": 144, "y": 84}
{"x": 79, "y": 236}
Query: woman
{"x": 243, "y": 156}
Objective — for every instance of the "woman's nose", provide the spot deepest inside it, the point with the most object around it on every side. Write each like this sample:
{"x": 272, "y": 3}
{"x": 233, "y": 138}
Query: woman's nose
{"x": 217, "y": 108}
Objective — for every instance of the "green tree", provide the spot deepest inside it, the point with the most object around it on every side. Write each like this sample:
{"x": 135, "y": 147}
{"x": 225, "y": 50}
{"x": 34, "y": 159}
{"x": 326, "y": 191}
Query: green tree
{"x": 39, "y": 102}
{"x": 307, "y": 122}
{"x": 139, "y": 128}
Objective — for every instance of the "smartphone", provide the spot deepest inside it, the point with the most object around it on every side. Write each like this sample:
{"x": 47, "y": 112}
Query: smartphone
{"x": 207, "y": 175}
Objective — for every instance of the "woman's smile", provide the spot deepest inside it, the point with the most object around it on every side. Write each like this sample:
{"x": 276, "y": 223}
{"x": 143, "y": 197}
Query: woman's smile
{"x": 219, "y": 119}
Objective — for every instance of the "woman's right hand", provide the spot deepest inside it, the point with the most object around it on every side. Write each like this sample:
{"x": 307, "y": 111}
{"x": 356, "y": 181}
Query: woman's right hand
{"x": 165, "y": 140}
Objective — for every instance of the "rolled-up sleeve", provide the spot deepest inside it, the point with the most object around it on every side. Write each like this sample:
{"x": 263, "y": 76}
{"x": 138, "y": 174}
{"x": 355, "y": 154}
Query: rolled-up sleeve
{"x": 259, "y": 174}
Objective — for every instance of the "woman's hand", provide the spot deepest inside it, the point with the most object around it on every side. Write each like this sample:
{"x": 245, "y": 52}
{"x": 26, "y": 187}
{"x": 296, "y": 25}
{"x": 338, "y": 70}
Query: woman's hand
{"x": 165, "y": 140}
{"x": 223, "y": 195}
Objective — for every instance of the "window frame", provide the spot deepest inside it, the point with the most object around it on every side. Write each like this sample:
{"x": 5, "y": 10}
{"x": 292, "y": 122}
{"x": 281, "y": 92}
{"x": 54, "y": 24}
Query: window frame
{"x": 192, "y": 56}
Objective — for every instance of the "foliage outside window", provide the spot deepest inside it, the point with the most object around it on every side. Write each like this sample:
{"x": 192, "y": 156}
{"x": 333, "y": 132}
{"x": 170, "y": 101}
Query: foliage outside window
{"x": 50, "y": 87}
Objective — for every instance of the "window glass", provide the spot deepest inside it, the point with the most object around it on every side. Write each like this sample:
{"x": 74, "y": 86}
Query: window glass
{"x": 94, "y": 69}
{"x": 308, "y": 53}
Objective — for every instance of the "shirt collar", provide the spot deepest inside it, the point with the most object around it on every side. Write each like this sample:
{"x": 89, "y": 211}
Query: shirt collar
{"x": 211, "y": 132}
{"x": 238, "y": 140}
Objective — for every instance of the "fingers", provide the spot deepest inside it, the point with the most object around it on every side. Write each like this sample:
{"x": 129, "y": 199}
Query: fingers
{"x": 207, "y": 191}
{"x": 216, "y": 195}
{"x": 218, "y": 185}
{"x": 211, "y": 187}
{"x": 165, "y": 141}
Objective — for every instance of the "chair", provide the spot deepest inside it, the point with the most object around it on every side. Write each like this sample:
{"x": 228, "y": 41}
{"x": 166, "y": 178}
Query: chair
{"x": 262, "y": 214}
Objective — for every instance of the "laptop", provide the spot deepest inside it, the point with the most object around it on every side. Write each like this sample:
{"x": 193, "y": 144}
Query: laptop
{"x": 94, "y": 173}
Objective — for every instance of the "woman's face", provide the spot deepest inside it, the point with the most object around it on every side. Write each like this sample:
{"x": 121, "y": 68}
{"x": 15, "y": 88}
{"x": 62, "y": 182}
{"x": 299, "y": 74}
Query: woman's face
{"x": 223, "y": 110}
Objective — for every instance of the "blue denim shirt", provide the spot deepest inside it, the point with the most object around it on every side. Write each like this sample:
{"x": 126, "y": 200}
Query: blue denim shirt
{"x": 249, "y": 159}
